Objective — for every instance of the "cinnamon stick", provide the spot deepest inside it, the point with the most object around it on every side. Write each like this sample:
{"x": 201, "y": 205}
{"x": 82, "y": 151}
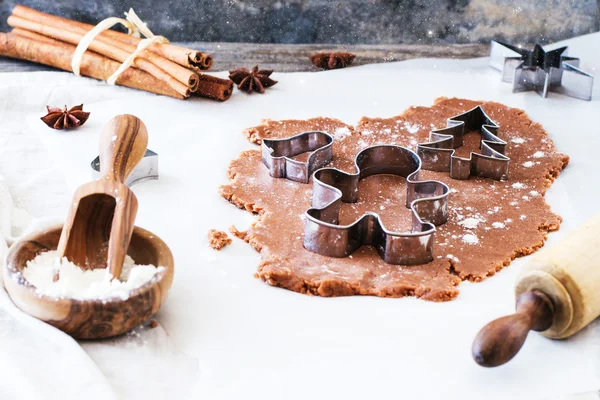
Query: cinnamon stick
{"x": 189, "y": 58}
{"x": 180, "y": 73}
{"x": 34, "y": 36}
{"x": 26, "y": 45}
{"x": 214, "y": 88}
{"x": 100, "y": 47}
{"x": 183, "y": 56}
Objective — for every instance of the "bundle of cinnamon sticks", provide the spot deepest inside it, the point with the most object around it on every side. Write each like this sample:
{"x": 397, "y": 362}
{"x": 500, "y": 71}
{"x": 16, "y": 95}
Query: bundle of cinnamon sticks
{"x": 163, "y": 69}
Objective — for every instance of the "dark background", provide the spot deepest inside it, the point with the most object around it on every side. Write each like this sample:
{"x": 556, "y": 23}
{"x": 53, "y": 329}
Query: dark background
{"x": 349, "y": 21}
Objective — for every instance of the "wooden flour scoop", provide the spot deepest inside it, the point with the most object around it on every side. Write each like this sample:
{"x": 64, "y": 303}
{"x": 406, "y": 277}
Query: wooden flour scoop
{"x": 101, "y": 219}
{"x": 558, "y": 294}
{"x": 99, "y": 232}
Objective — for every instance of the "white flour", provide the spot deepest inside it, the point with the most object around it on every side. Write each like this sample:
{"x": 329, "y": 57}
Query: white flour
{"x": 77, "y": 283}
{"x": 470, "y": 239}
{"x": 470, "y": 223}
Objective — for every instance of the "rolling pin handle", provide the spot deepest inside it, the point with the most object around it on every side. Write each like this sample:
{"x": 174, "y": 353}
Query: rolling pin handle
{"x": 500, "y": 340}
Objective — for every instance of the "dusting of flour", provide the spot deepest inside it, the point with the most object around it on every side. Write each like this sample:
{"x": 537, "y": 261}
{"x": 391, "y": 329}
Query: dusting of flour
{"x": 80, "y": 284}
{"x": 470, "y": 223}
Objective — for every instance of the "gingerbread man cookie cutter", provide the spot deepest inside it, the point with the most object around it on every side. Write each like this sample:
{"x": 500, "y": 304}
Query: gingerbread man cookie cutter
{"x": 428, "y": 201}
{"x": 147, "y": 169}
{"x": 491, "y": 162}
{"x": 277, "y": 155}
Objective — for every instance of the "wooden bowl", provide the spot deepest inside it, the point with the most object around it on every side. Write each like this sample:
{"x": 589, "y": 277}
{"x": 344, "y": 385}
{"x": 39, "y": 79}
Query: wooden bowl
{"x": 90, "y": 319}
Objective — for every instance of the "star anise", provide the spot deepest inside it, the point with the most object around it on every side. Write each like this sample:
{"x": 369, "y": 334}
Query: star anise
{"x": 332, "y": 60}
{"x": 62, "y": 118}
{"x": 257, "y": 80}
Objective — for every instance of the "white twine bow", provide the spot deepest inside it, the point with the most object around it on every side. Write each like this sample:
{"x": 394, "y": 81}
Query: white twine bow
{"x": 135, "y": 26}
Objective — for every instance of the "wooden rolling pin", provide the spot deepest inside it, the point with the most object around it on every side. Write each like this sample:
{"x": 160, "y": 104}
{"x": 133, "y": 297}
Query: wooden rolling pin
{"x": 558, "y": 293}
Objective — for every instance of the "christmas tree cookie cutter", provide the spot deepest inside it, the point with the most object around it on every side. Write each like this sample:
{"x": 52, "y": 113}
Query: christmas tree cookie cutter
{"x": 438, "y": 154}
{"x": 541, "y": 71}
{"x": 277, "y": 155}
{"x": 147, "y": 169}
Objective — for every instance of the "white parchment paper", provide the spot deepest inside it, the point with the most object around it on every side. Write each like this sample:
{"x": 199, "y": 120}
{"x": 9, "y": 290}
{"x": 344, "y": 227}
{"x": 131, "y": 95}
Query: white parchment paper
{"x": 225, "y": 334}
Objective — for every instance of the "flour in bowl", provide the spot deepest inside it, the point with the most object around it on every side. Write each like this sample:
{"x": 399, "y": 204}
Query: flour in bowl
{"x": 80, "y": 284}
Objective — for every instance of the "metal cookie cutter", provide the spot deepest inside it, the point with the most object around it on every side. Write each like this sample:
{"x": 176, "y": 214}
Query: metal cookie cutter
{"x": 438, "y": 154}
{"x": 277, "y": 153}
{"x": 428, "y": 201}
{"x": 147, "y": 169}
{"x": 540, "y": 70}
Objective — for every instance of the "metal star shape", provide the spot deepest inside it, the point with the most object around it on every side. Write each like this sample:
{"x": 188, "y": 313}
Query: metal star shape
{"x": 541, "y": 71}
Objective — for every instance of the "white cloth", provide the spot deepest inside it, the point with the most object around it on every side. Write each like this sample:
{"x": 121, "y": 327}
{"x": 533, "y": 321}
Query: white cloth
{"x": 231, "y": 336}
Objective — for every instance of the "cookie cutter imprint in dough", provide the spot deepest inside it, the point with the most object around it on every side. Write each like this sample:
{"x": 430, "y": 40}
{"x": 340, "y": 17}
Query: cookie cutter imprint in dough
{"x": 147, "y": 169}
{"x": 438, "y": 154}
{"x": 277, "y": 155}
{"x": 541, "y": 71}
{"x": 428, "y": 200}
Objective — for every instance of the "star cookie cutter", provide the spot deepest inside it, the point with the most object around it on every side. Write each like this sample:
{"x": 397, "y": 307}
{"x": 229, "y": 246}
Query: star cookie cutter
{"x": 428, "y": 201}
{"x": 438, "y": 154}
{"x": 541, "y": 71}
{"x": 147, "y": 169}
{"x": 277, "y": 155}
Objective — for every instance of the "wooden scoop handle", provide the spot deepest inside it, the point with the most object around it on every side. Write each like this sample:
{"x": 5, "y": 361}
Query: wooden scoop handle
{"x": 500, "y": 340}
{"x": 123, "y": 144}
